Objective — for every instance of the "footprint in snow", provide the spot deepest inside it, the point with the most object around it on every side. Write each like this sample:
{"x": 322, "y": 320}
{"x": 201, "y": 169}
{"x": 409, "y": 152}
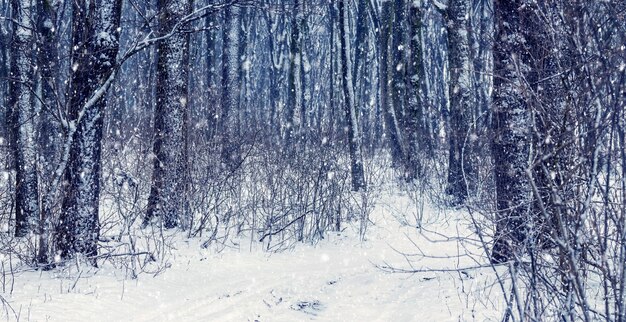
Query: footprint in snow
{"x": 309, "y": 307}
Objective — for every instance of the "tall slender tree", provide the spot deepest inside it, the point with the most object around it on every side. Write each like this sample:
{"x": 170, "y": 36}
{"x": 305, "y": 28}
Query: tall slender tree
{"x": 362, "y": 71}
{"x": 386, "y": 102}
{"x": 460, "y": 168}
{"x": 168, "y": 176}
{"x": 4, "y": 73}
{"x": 228, "y": 122}
{"x": 47, "y": 58}
{"x": 49, "y": 128}
{"x": 416, "y": 132}
{"x": 22, "y": 117}
{"x": 292, "y": 119}
{"x": 212, "y": 78}
{"x": 354, "y": 136}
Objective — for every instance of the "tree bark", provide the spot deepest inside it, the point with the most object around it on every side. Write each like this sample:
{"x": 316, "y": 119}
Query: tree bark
{"x": 415, "y": 131}
{"x": 391, "y": 121}
{"x": 295, "y": 110}
{"x": 95, "y": 43}
{"x": 460, "y": 168}
{"x": 170, "y": 133}
{"x": 511, "y": 133}
{"x": 22, "y": 118}
{"x": 4, "y": 73}
{"x": 49, "y": 127}
{"x": 230, "y": 85}
{"x": 354, "y": 136}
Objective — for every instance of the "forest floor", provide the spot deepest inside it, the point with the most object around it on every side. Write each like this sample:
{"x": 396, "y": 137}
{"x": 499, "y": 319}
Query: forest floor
{"x": 339, "y": 279}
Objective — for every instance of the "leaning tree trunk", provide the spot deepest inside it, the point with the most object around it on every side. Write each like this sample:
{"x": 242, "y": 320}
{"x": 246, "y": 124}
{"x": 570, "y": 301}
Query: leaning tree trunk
{"x": 168, "y": 176}
{"x": 95, "y": 43}
{"x": 460, "y": 168}
{"x": 511, "y": 132}
{"x": 21, "y": 122}
{"x": 354, "y": 137}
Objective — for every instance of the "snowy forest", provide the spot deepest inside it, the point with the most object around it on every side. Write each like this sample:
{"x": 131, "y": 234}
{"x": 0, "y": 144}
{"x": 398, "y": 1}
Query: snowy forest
{"x": 332, "y": 160}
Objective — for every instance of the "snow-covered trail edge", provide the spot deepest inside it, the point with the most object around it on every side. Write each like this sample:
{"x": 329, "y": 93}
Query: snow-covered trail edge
{"x": 336, "y": 280}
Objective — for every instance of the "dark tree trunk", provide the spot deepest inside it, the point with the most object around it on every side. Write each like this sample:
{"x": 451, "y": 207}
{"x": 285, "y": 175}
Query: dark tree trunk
{"x": 49, "y": 128}
{"x": 230, "y": 86}
{"x": 95, "y": 42}
{"x": 22, "y": 111}
{"x": 4, "y": 73}
{"x": 460, "y": 168}
{"x": 362, "y": 74}
{"x": 354, "y": 137}
{"x": 49, "y": 68}
{"x": 416, "y": 133}
{"x": 212, "y": 78}
{"x": 273, "y": 117}
{"x": 391, "y": 121}
{"x": 170, "y": 134}
{"x": 511, "y": 136}
{"x": 295, "y": 103}
{"x": 332, "y": 80}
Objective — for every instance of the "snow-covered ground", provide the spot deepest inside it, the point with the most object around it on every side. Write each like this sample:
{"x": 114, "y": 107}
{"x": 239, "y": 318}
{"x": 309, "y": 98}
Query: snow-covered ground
{"x": 335, "y": 280}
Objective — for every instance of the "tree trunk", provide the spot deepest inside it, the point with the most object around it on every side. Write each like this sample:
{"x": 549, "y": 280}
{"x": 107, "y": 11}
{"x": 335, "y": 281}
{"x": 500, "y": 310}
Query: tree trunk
{"x": 354, "y": 136}
{"x": 211, "y": 24}
{"x": 95, "y": 43}
{"x": 460, "y": 168}
{"x": 22, "y": 118}
{"x": 415, "y": 132}
{"x": 293, "y": 108}
{"x": 49, "y": 128}
{"x": 391, "y": 121}
{"x": 49, "y": 68}
{"x": 4, "y": 73}
{"x": 230, "y": 85}
{"x": 511, "y": 135}
{"x": 170, "y": 133}
{"x": 273, "y": 118}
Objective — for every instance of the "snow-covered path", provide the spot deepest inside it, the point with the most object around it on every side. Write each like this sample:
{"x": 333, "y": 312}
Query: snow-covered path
{"x": 336, "y": 280}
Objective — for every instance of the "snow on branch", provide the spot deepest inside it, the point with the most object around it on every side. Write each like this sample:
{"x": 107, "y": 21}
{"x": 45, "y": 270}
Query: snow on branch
{"x": 151, "y": 39}
{"x": 440, "y": 6}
